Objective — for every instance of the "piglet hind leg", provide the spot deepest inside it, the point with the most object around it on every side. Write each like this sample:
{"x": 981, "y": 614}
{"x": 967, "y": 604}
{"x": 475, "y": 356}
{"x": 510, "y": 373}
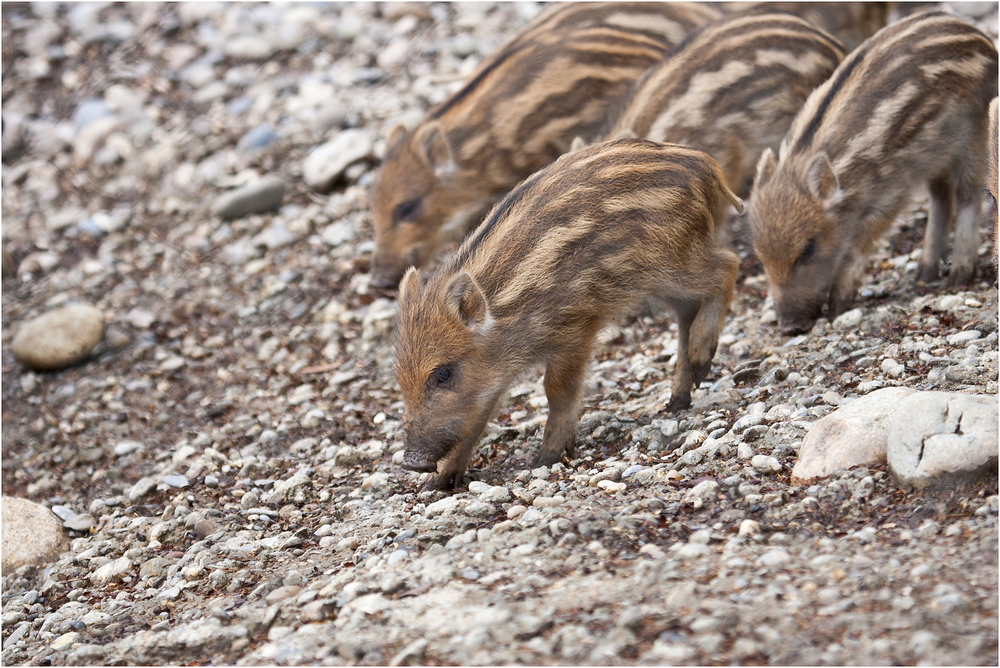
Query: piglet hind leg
{"x": 699, "y": 322}
{"x": 563, "y": 386}
{"x": 965, "y": 248}
{"x": 680, "y": 391}
{"x": 703, "y": 338}
{"x": 939, "y": 220}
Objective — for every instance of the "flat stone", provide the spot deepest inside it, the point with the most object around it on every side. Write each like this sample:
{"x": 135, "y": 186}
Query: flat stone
{"x": 325, "y": 164}
{"x": 495, "y": 494}
{"x": 83, "y": 522}
{"x": 205, "y": 528}
{"x": 31, "y": 534}
{"x": 964, "y": 338}
{"x": 943, "y": 437}
{"x": 258, "y": 197}
{"x": 65, "y": 641}
{"x": 853, "y": 435}
{"x": 848, "y": 319}
{"x": 111, "y": 571}
{"x": 281, "y": 593}
{"x": 127, "y": 447}
{"x": 59, "y": 338}
{"x": 176, "y": 480}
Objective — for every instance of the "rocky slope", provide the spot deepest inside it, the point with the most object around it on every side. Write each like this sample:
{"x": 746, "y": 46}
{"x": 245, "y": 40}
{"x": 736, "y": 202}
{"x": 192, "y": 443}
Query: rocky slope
{"x": 226, "y": 461}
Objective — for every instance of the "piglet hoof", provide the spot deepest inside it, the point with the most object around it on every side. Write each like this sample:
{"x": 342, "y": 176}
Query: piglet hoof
{"x": 545, "y": 459}
{"x": 960, "y": 276}
{"x": 927, "y": 274}
{"x": 447, "y": 482}
{"x": 700, "y": 373}
{"x": 677, "y": 404}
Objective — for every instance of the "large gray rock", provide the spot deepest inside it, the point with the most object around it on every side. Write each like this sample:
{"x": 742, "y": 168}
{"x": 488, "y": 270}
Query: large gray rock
{"x": 58, "y": 338}
{"x": 943, "y": 437}
{"x": 257, "y": 197}
{"x": 324, "y": 165}
{"x": 853, "y": 435}
{"x": 32, "y": 534}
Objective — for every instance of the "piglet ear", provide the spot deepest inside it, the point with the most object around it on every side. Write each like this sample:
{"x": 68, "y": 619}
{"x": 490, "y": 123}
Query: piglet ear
{"x": 409, "y": 286}
{"x": 823, "y": 182}
{"x": 432, "y": 142}
{"x": 395, "y": 135}
{"x": 765, "y": 167}
{"x": 578, "y": 143}
{"x": 466, "y": 300}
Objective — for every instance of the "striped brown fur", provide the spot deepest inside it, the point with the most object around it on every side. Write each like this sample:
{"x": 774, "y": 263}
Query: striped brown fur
{"x": 905, "y": 109}
{"x": 579, "y": 244}
{"x": 557, "y": 79}
{"x": 850, "y": 22}
{"x": 731, "y": 89}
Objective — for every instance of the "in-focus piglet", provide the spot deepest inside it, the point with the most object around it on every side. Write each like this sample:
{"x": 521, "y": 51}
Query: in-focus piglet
{"x": 578, "y": 245}
{"x": 559, "y": 78}
{"x": 731, "y": 89}
{"x": 906, "y": 109}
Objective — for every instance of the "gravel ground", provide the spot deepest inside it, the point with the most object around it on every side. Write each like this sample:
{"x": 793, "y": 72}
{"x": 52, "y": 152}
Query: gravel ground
{"x": 228, "y": 456}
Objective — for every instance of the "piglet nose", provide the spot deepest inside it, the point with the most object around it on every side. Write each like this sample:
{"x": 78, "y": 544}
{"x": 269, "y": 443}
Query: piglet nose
{"x": 384, "y": 280}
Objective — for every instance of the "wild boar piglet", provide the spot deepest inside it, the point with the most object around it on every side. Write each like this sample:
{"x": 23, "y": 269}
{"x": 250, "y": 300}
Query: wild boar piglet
{"x": 557, "y": 79}
{"x": 731, "y": 89}
{"x": 908, "y": 108}
{"x": 578, "y": 245}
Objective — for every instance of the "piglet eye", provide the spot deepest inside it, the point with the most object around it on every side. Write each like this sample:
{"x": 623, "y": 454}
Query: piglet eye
{"x": 442, "y": 375}
{"x": 406, "y": 210}
{"x": 807, "y": 252}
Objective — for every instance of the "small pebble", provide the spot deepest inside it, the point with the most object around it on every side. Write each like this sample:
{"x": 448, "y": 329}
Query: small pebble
{"x": 263, "y": 195}
{"x": 749, "y": 527}
{"x": 765, "y": 464}
{"x": 960, "y": 339}
{"x": 281, "y": 593}
{"x": 775, "y": 557}
{"x": 652, "y": 551}
{"x": 515, "y": 511}
{"x": 176, "y": 480}
{"x": 700, "y": 537}
{"x": 692, "y": 550}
